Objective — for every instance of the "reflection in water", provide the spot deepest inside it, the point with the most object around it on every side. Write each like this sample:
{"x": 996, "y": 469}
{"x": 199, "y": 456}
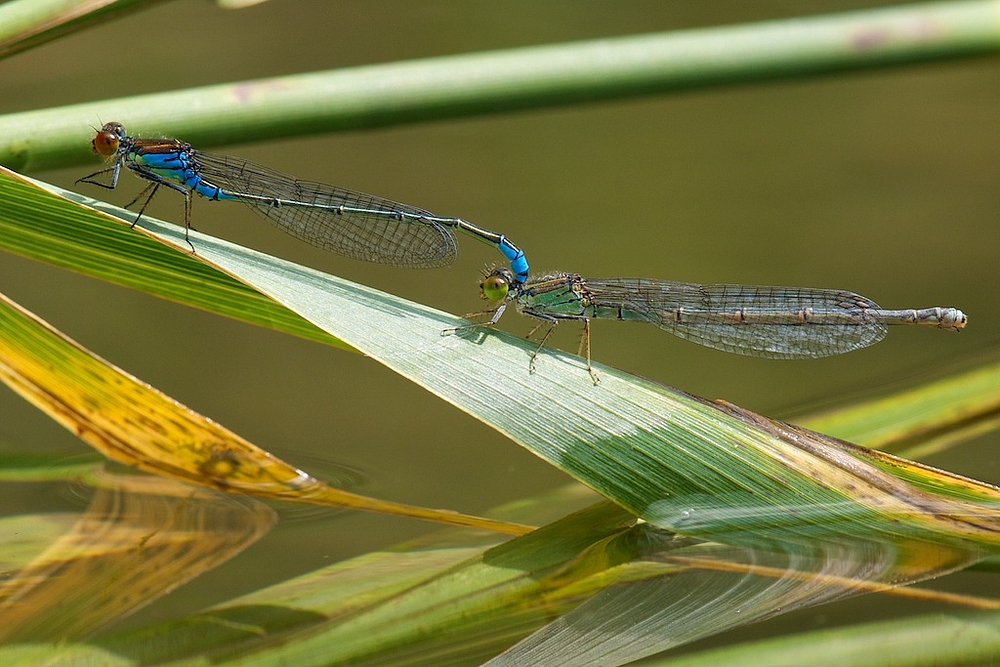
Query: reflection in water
{"x": 706, "y": 588}
{"x": 140, "y": 538}
{"x": 322, "y": 466}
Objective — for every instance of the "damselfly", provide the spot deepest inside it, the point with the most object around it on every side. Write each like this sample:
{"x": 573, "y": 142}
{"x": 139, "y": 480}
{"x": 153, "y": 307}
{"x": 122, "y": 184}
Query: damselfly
{"x": 752, "y": 320}
{"x": 351, "y": 223}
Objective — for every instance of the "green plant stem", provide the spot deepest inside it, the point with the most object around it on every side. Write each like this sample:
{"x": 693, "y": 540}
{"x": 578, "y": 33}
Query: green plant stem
{"x": 25, "y": 24}
{"x": 532, "y": 77}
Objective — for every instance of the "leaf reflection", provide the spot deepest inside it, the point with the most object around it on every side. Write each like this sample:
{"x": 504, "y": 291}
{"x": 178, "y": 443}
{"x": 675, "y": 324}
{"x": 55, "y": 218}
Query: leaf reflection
{"x": 705, "y": 588}
{"x": 141, "y": 537}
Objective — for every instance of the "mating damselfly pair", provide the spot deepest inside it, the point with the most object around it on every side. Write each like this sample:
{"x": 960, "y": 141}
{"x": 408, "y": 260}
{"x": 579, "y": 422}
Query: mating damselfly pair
{"x": 760, "y": 321}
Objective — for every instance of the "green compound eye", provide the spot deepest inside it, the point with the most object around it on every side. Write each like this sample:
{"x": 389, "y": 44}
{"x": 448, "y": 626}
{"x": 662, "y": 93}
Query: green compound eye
{"x": 495, "y": 286}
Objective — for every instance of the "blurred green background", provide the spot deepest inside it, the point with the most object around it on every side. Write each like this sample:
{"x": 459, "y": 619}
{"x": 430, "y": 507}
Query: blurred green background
{"x": 885, "y": 183}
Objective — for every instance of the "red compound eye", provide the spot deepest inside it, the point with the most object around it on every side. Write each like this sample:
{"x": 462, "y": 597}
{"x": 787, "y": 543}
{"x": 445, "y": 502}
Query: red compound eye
{"x": 106, "y": 143}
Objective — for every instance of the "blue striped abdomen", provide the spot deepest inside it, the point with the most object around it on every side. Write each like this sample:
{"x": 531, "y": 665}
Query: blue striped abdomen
{"x": 177, "y": 165}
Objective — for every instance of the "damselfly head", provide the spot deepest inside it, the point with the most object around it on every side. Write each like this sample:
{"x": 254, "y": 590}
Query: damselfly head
{"x": 496, "y": 285}
{"x": 108, "y": 139}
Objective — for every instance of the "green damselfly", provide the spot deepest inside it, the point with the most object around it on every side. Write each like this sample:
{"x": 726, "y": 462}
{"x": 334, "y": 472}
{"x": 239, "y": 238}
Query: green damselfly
{"x": 752, "y": 320}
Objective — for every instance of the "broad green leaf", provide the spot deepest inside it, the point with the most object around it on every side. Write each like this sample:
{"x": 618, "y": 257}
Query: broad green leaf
{"x": 54, "y": 230}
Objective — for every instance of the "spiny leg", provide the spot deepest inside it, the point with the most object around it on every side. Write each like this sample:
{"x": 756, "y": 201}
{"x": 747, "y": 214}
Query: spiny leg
{"x": 585, "y": 343}
{"x": 114, "y": 177}
{"x": 541, "y": 343}
{"x": 494, "y": 314}
{"x": 187, "y": 218}
{"x": 151, "y": 189}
